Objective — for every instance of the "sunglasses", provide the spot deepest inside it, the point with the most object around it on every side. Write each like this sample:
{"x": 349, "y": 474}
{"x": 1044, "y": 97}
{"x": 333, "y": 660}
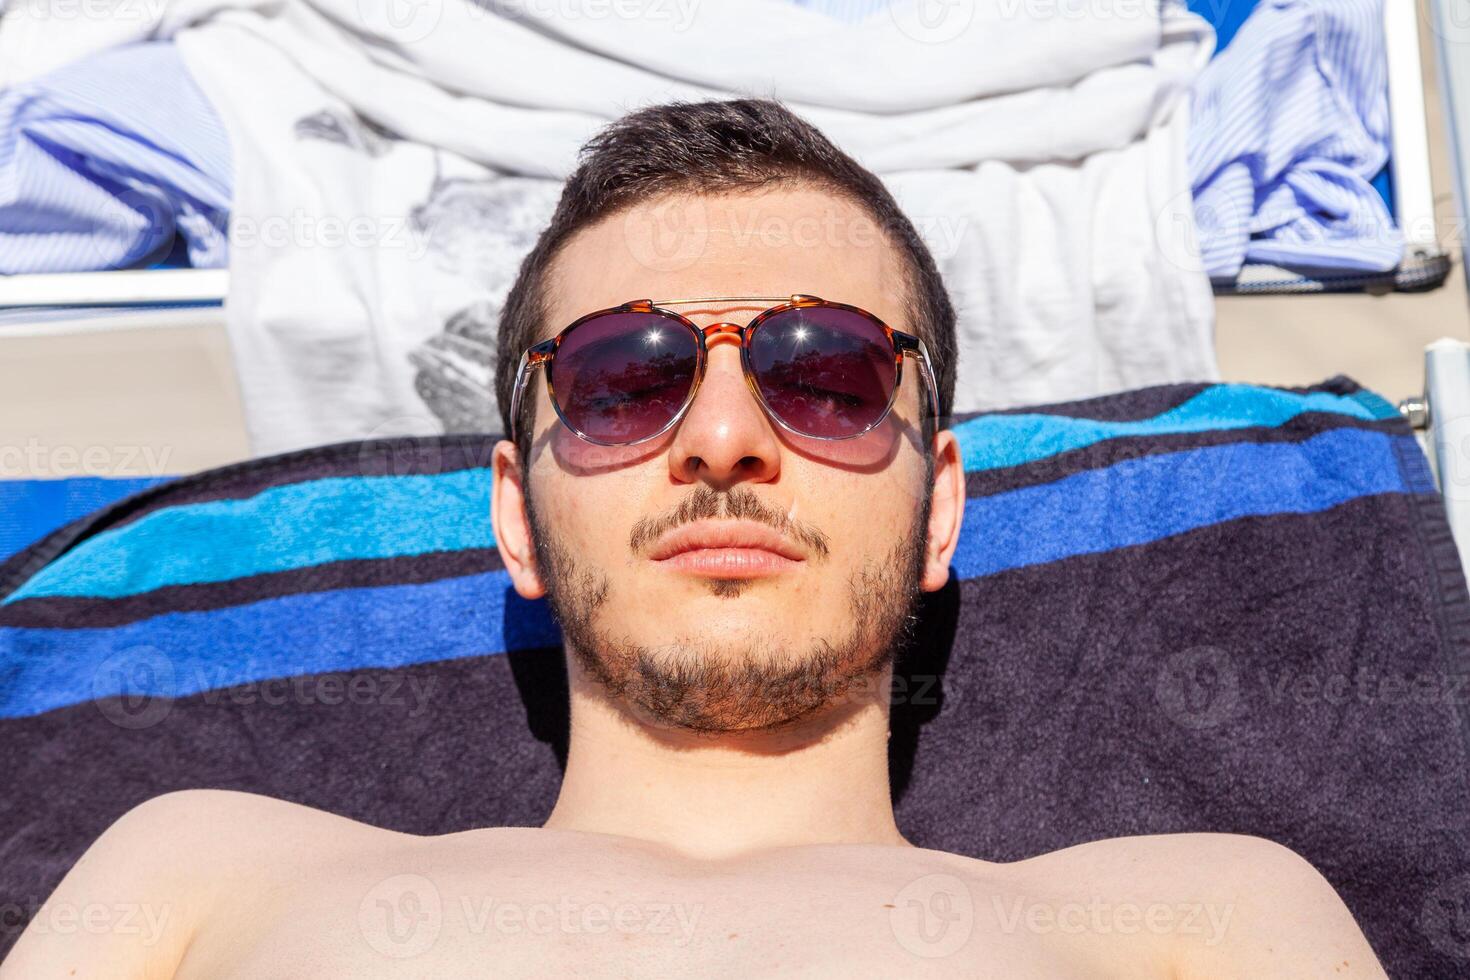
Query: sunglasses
{"x": 621, "y": 376}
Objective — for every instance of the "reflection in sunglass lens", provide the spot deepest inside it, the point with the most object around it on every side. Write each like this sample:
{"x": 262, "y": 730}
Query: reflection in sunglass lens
{"x": 622, "y": 377}
{"x": 825, "y": 372}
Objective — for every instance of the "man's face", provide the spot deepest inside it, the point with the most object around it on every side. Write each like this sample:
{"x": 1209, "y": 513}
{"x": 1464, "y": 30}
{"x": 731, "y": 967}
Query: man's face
{"x": 729, "y": 575}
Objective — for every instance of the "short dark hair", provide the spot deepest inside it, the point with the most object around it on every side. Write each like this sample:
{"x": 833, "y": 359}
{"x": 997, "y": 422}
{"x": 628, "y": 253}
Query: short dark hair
{"x": 711, "y": 148}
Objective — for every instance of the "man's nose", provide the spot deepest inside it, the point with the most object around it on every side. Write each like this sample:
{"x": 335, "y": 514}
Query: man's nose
{"x": 725, "y": 438}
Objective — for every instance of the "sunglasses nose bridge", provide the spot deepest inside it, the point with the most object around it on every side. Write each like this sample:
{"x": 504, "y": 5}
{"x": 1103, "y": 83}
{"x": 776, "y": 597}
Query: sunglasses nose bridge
{"x": 725, "y": 327}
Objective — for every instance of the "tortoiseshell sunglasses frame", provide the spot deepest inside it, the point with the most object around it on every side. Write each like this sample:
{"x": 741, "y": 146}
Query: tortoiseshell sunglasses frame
{"x": 542, "y": 354}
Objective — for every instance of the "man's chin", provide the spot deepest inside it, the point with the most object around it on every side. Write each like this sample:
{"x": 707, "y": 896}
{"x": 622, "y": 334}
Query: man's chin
{"x": 717, "y": 684}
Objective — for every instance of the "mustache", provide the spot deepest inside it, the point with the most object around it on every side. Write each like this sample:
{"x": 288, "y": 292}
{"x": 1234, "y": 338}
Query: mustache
{"x": 741, "y": 503}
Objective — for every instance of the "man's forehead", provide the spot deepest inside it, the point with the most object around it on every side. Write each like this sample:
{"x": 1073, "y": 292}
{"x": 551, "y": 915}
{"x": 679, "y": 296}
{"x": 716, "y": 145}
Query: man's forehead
{"x": 769, "y": 243}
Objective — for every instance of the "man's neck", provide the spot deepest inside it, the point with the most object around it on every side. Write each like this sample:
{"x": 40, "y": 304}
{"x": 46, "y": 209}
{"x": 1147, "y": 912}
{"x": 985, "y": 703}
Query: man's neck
{"x": 821, "y": 781}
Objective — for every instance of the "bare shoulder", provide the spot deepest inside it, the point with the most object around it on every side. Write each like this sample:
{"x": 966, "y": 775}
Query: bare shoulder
{"x": 214, "y": 816}
{"x": 168, "y": 837}
{"x": 204, "y": 803}
{"x": 1228, "y": 904}
{"x": 133, "y": 899}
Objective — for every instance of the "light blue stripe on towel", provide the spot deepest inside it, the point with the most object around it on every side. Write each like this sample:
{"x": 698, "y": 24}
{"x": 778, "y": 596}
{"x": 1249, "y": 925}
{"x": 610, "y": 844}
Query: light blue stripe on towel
{"x": 996, "y": 441}
{"x": 291, "y": 526}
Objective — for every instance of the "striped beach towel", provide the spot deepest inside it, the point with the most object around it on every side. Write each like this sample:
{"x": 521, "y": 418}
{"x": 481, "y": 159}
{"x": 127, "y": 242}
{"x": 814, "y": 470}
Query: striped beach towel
{"x": 1184, "y": 608}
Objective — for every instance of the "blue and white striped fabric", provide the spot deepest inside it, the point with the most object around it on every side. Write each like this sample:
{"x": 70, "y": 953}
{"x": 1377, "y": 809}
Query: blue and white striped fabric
{"x": 104, "y": 161}
{"x": 1289, "y": 124}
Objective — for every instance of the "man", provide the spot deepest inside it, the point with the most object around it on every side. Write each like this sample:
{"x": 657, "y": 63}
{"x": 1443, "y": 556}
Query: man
{"x": 732, "y": 493}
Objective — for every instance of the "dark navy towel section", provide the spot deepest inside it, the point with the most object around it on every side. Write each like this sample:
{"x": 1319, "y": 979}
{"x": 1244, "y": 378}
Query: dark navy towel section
{"x": 1186, "y": 608}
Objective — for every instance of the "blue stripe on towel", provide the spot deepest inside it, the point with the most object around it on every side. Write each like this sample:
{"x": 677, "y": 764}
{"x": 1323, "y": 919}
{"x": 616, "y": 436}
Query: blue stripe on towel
{"x": 178, "y": 654}
{"x": 291, "y": 526}
{"x": 30, "y": 509}
{"x": 1130, "y": 503}
{"x": 996, "y": 441}
{"x": 1136, "y": 501}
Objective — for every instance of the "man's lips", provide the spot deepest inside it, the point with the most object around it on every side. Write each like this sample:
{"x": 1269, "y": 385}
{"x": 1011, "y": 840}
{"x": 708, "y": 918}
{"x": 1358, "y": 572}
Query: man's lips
{"x": 726, "y": 549}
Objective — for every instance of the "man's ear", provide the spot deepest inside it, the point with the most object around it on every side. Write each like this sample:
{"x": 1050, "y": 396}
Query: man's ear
{"x": 946, "y": 511}
{"x": 512, "y": 522}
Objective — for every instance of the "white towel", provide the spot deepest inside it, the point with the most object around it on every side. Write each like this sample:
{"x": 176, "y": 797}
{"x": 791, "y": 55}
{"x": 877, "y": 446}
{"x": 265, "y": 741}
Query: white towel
{"x": 396, "y": 159}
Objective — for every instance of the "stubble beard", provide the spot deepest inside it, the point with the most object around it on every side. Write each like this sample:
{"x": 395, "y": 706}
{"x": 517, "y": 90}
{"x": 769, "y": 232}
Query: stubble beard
{"x": 707, "y": 687}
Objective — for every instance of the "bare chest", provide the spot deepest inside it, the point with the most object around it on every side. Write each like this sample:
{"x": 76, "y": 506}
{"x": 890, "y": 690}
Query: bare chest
{"x": 540, "y": 915}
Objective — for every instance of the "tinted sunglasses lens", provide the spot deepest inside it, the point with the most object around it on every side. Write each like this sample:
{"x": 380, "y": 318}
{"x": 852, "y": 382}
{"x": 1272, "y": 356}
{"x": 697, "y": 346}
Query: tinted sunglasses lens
{"x": 622, "y": 377}
{"x": 824, "y": 372}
